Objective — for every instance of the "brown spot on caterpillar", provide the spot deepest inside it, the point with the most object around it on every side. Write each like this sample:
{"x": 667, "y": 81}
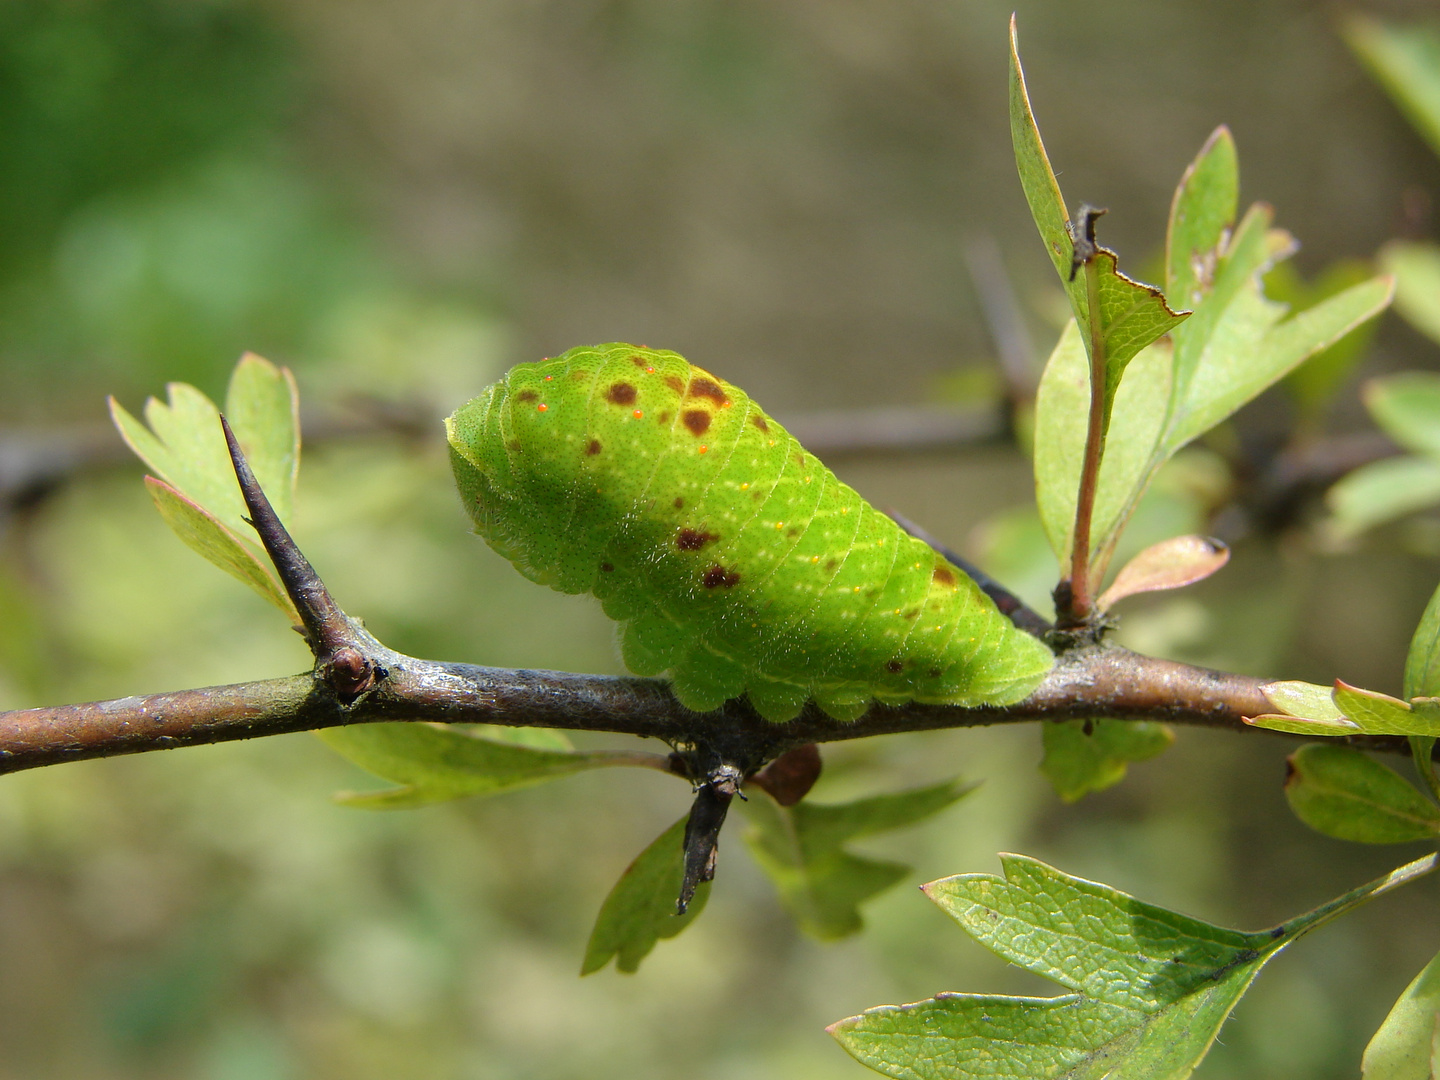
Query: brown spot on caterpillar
{"x": 894, "y": 667}
{"x": 526, "y": 395}
{"x": 759, "y": 422}
{"x": 911, "y": 613}
{"x": 830, "y": 564}
{"x": 708, "y": 388}
{"x": 621, "y": 393}
{"x": 717, "y": 577}
{"x": 675, "y": 383}
{"x": 607, "y": 568}
{"x": 800, "y": 460}
{"x": 944, "y": 575}
{"x": 792, "y": 531}
{"x": 663, "y": 418}
{"x": 757, "y": 495}
{"x": 692, "y": 540}
{"x": 679, "y": 502}
{"x": 697, "y": 420}
{"x": 592, "y": 447}
{"x": 579, "y": 374}
{"x": 934, "y": 673}
{"x": 638, "y": 361}
{"x": 513, "y": 445}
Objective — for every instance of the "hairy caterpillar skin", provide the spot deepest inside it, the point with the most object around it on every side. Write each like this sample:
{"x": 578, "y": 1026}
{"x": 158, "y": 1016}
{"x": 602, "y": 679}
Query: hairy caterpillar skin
{"x": 736, "y": 561}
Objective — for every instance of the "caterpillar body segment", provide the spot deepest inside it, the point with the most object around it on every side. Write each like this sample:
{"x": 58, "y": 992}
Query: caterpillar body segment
{"x": 735, "y": 560}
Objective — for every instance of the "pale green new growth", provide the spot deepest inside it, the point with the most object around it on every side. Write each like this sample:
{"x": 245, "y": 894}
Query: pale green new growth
{"x": 1122, "y": 316}
{"x": 1407, "y": 1046}
{"x": 1235, "y": 345}
{"x": 1151, "y": 987}
{"x": 640, "y": 909}
{"x": 801, "y": 848}
{"x": 436, "y": 763}
{"x": 1082, "y": 756}
{"x": 197, "y": 493}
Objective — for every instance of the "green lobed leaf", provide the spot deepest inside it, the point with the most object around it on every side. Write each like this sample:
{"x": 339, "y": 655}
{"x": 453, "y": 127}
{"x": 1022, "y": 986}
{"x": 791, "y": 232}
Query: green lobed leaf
{"x": 1154, "y": 986}
{"x": 1061, "y": 411}
{"x": 1127, "y": 316}
{"x": 185, "y": 447}
{"x": 262, "y": 405}
{"x": 1251, "y": 349}
{"x": 1303, "y": 699}
{"x": 212, "y": 539}
{"x": 1082, "y": 756}
{"x": 640, "y": 909}
{"x": 1381, "y": 714}
{"x": 1202, "y": 210}
{"x": 1422, "y": 663}
{"x": 1407, "y": 1045}
{"x": 800, "y": 849}
{"x": 1235, "y": 345}
{"x": 436, "y": 763}
{"x": 1416, "y": 267}
{"x": 1316, "y": 381}
{"x": 1406, "y": 61}
{"x": 1341, "y": 792}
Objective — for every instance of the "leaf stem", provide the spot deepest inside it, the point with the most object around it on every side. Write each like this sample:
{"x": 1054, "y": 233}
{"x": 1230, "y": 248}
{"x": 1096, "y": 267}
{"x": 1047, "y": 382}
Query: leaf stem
{"x": 1078, "y": 610}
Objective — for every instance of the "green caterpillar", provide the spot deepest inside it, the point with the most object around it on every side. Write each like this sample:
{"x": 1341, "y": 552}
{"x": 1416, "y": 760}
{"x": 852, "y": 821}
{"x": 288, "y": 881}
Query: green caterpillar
{"x": 736, "y": 561}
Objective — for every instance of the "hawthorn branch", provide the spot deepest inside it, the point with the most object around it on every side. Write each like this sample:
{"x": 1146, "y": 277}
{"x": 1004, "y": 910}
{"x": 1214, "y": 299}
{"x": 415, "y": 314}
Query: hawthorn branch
{"x": 1098, "y": 682}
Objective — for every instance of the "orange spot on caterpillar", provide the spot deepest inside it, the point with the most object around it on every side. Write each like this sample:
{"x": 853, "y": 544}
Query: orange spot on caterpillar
{"x": 697, "y": 420}
{"x": 549, "y": 378}
{"x": 703, "y": 449}
{"x": 717, "y": 577}
{"x": 638, "y": 414}
{"x": 542, "y": 407}
{"x": 621, "y": 393}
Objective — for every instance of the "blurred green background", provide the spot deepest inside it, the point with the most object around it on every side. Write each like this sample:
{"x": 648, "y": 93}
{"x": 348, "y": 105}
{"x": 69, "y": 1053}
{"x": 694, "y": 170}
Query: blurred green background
{"x": 399, "y": 200}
